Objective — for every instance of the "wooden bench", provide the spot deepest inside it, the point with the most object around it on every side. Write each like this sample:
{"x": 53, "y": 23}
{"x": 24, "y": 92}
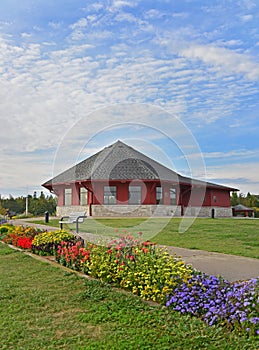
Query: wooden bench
{"x": 73, "y": 218}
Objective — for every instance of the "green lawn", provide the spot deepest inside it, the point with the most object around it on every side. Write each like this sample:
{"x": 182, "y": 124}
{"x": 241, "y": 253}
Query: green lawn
{"x": 230, "y": 236}
{"x": 46, "y": 307}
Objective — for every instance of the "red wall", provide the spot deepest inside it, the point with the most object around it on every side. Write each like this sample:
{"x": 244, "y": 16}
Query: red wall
{"x": 75, "y": 194}
{"x": 222, "y": 198}
{"x": 97, "y": 188}
{"x": 122, "y": 192}
{"x": 60, "y": 194}
{"x": 194, "y": 198}
{"x": 148, "y": 194}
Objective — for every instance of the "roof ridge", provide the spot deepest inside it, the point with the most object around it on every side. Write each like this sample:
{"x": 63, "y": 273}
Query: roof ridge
{"x": 104, "y": 158}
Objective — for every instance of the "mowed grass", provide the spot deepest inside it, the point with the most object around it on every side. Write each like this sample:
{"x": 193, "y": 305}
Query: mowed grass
{"x": 229, "y": 236}
{"x": 43, "y": 306}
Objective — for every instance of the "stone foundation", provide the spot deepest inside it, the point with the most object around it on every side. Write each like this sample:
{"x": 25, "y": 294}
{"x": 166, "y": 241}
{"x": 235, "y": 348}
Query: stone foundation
{"x": 146, "y": 211}
{"x": 135, "y": 210}
{"x": 66, "y": 210}
{"x": 205, "y": 212}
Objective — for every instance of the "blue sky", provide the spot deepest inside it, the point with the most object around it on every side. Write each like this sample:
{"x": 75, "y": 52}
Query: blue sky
{"x": 74, "y": 74}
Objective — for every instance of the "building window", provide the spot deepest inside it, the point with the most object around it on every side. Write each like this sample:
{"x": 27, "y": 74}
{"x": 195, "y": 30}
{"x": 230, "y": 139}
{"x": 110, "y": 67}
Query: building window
{"x": 83, "y": 196}
{"x": 68, "y": 196}
{"x": 134, "y": 195}
{"x": 110, "y": 195}
{"x": 159, "y": 195}
{"x": 214, "y": 199}
{"x": 172, "y": 196}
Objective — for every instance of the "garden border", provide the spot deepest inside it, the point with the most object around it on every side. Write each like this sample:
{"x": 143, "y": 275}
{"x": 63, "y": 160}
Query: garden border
{"x": 50, "y": 259}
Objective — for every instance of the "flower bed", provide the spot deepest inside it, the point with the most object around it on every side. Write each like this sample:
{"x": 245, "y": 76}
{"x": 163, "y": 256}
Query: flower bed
{"x": 151, "y": 273}
{"x": 217, "y": 301}
{"x": 19, "y": 236}
{"x": 137, "y": 266}
{"x": 47, "y": 243}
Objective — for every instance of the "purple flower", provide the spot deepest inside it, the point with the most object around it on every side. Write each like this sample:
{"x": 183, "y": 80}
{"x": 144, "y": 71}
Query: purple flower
{"x": 216, "y": 300}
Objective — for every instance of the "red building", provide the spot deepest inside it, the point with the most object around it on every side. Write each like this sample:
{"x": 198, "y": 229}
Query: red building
{"x": 120, "y": 181}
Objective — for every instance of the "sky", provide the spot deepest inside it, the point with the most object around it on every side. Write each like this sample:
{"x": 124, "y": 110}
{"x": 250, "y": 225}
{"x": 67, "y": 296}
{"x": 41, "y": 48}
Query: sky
{"x": 178, "y": 80}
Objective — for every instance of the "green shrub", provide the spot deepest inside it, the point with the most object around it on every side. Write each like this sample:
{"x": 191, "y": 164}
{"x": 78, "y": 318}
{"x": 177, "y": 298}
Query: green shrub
{"x": 4, "y": 229}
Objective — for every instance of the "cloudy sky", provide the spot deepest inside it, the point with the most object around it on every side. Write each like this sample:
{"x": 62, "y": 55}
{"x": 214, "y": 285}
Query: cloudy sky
{"x": 137, "y": 70}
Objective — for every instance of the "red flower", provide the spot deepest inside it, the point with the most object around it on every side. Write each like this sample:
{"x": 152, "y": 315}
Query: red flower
{"x": 24, "y": 242}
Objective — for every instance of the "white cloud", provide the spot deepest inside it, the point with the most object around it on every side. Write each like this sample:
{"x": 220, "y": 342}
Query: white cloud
{"x": 55, "y": 25}
{"x": 231, "y": 154}
{"x": 81, "y": 23}
{"x": 123, "y": 3}
{"x": 26, "y": 35}
{"x": 180, "y": 15}
{"x": 25, "y": 170}
{"x": 248, "y": 4}
{"x": 229, "y": 61}
{"x": 63, "y": 85}
{"x": 246, "y": 18}
{"x": 154, "y": 13}
{"x": 237, "y": 175}
{"x": 121, "y": 17}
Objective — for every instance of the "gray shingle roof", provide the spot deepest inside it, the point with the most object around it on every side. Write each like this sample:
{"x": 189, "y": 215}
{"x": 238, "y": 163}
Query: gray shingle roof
{"x": 241, "y": 207}
{"x": 120, "y": 162}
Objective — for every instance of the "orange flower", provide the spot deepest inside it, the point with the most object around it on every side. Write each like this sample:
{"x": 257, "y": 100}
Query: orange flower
{"x": 145, "y": 250}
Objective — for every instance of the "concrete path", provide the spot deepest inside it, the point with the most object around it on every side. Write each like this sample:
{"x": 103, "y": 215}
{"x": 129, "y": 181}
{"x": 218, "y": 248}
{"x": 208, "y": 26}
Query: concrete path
{"x": 231, "y": 267}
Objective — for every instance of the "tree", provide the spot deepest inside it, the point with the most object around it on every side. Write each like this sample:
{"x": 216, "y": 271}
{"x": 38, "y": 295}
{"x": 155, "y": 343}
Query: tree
{"x": 234, "y": 199}
{"x": 36, "y": 206}
{"x": 3, "y": 211}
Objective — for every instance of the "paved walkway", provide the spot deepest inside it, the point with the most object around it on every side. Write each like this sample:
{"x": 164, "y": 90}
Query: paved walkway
{"x": 231, "y": 267}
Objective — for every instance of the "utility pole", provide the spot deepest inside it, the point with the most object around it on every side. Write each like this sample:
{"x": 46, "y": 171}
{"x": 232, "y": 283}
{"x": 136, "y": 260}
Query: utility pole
{"x": 26, "y": 205}
{"x": 27, "y": 202}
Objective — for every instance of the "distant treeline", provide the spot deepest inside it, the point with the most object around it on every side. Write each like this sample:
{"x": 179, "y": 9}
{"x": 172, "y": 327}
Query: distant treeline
{"x": 36, "y": 205}
{"x": 249, "y": 200}
{"x": 39, "y": 205}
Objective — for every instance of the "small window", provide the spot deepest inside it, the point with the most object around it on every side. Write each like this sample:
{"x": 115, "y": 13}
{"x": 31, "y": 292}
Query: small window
{"x": 134, "y": 195}
{"x": 83, "y": 196}
{"x": 214, "y": 199}
{"x": 172, "y": 196}
{"x": 110, "y": 195}
{"x": 68, "y": 196}
{"x": 159, "y": 195}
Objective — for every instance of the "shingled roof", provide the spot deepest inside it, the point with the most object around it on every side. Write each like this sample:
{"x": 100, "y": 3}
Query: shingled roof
{"x": 121, "y": 162}
{"x": 241, "y": 207}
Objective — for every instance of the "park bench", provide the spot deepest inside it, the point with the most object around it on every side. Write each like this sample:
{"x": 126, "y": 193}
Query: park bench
{"x": 73, "y": 218}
